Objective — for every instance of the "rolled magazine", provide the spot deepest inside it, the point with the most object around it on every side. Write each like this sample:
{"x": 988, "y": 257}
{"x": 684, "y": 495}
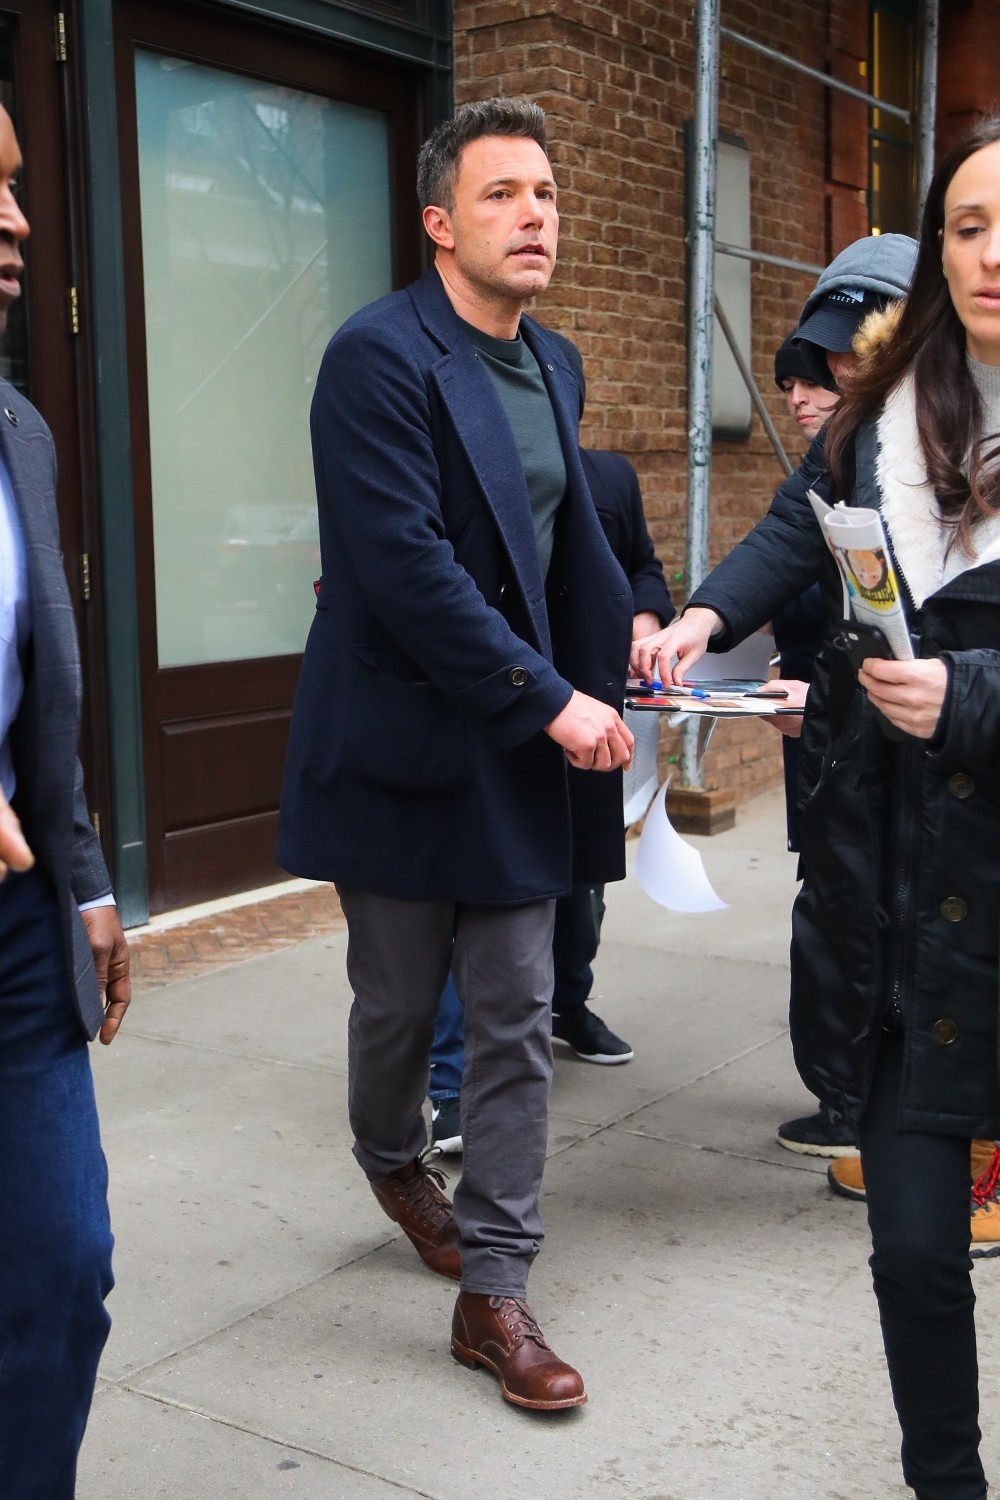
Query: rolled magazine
{"x": 857, "y": 539}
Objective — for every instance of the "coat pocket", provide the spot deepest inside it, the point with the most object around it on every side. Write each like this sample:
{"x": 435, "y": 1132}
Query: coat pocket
{"x": 404, "y": 736}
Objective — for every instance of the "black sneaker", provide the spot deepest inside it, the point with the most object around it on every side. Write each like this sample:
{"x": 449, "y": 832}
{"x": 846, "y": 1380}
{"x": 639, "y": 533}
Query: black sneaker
{"x": 446, "y": 1126}
{"x": 826, "y": 1133}
{"x": 589, "y": 1037}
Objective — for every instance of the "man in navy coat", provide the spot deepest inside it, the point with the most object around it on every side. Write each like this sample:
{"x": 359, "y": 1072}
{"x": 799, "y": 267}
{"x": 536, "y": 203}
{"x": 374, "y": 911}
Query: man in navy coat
{"x": 470, "y": 643}
{"x": 64, "y": 965}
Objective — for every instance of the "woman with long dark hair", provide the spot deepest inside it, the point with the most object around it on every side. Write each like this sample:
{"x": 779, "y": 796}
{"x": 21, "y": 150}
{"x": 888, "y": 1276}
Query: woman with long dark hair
{"x": 896, "y": 929}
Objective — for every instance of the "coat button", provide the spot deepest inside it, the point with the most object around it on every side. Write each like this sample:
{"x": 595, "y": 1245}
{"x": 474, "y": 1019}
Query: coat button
{"x": 954, "y": 909}
{"x": 517, "y": 676}
{"x": 961, "y": 785}
{"x": 945, "y": 1032}
{"x": 11, "y": 416}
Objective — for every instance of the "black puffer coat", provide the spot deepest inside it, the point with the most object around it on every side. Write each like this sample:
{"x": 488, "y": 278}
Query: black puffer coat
{"x": 898, "y": 917}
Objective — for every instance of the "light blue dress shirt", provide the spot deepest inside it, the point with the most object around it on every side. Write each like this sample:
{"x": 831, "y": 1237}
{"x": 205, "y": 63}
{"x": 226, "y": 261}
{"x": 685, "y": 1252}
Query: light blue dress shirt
{"x": 15, "y": 630}
{"x": 15, "y": 622}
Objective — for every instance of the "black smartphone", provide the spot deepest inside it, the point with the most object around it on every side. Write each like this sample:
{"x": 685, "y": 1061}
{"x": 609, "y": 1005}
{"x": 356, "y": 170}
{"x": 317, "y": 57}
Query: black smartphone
{"x": 861, "y": 641}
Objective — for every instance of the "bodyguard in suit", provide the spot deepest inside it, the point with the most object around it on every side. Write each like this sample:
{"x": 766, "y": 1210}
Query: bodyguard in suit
{"x": 470, "y": 642}
{"x": 64, "y": 967}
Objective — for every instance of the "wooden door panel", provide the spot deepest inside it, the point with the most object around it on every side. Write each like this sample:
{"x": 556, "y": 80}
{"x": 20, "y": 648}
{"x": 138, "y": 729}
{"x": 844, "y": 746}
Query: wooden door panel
{"x": 200, "y": 864}
{"x": 225, "y": 766}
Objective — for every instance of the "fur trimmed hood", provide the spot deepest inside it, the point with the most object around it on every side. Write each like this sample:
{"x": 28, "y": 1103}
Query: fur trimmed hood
{"x": 877, "y": 330}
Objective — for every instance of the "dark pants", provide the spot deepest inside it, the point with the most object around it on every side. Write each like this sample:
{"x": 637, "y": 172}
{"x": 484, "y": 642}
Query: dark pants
{"x": 55, "y": 1246}
{"x": 918, "y": 1210}
{"x": 575, "y": 941}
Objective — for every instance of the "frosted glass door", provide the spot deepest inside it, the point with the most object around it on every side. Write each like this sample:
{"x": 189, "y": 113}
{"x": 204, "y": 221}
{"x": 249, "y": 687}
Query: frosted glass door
{"x": 266, "y": 222}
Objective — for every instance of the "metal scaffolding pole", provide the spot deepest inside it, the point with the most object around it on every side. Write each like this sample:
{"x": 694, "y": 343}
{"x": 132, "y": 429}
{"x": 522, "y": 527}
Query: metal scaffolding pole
{"x": 751, "y": 385}
{"x": 826, "y": 79}
{"x": 927, "y": 116}
{"x": 702, "y": 263}
{"x": 702, "y": 250}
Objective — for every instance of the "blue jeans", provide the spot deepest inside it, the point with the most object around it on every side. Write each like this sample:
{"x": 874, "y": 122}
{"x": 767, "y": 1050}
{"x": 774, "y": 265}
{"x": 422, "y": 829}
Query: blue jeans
{"x": 55, "y": 1248}
{"x": 574, "y": 948}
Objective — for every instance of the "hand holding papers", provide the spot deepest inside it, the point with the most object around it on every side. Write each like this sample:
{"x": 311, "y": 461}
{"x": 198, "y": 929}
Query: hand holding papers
{"x": 726, "y": 685}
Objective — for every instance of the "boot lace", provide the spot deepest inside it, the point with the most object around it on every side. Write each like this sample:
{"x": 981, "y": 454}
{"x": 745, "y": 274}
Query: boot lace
{"x": 424, "y": 1192}
{"x": 519, "y": 1321}
{"x": 987, "y": 1188}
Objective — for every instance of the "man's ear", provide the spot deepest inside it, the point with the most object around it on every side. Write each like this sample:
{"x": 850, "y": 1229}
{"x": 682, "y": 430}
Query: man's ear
{"x": 437, "y": 223}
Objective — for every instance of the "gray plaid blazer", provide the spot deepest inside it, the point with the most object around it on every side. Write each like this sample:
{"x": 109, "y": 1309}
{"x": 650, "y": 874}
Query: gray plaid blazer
{"x": 49, "y": 795}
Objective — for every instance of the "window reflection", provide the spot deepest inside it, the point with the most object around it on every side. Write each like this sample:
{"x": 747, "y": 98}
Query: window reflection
{"x": 265, "y": 223}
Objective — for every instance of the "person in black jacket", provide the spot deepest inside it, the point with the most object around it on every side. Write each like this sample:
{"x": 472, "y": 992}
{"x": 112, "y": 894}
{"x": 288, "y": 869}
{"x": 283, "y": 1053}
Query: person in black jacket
{"x": 896, "y": 929}
{"x": 614, "y": 485}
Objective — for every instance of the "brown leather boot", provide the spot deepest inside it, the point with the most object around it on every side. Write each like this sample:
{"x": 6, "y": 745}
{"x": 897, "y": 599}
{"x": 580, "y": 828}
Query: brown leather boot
{"x": 501, "y": 1334}
{"x": 414, "y": 1199}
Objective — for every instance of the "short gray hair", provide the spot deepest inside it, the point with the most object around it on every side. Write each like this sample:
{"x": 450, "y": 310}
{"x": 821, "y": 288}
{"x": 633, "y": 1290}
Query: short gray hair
{"x": 438, "y": 162}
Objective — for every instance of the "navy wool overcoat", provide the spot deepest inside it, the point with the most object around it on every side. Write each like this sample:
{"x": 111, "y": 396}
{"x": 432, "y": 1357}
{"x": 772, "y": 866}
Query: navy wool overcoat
{"x": 417, "y": 763}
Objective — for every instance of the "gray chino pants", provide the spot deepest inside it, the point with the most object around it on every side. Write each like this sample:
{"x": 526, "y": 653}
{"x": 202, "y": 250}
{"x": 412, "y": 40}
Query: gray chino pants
{"x": 398, "y": 957}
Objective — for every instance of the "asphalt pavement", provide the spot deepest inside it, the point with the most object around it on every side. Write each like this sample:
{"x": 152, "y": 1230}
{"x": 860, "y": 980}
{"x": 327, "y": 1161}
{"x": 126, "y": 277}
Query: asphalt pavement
{"x": 276, "y": 1337}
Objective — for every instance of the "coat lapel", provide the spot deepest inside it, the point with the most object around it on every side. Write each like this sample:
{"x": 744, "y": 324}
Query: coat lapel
{"x": 484, "y": 432}
{"x": 28, "y": 456}
{"x": 20, "y": 456}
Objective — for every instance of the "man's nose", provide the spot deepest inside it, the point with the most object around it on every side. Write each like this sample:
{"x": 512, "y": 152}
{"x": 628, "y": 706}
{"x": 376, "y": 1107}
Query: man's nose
{"x": 13, "y": 225}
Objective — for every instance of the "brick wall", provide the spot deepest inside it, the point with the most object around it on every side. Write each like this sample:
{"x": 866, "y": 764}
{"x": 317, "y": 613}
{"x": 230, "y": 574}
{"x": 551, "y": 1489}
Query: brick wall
{"x": 969, "y": 71}
{"x": 617, "y": 82}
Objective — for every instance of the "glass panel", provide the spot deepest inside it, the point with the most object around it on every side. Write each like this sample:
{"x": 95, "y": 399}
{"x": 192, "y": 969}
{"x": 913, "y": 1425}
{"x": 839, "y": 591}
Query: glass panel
{"x": 14, "y": 346}
{"x": 892, "y": 188}
{"x": 892, "y": 194}
{"x": 265, "y": 223}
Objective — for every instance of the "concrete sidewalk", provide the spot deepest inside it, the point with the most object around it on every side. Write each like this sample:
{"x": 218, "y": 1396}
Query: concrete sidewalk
{"x": 275, "y": 1336}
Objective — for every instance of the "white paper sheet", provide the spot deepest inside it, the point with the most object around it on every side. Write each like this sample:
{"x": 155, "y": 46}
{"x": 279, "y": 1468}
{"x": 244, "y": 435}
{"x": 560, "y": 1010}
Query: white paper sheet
{"x": 670, "y": 870}
{"x": 641, "y": 777}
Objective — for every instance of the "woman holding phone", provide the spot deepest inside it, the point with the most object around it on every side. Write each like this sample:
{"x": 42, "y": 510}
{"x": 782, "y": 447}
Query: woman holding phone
{"x": 896, "y": 928}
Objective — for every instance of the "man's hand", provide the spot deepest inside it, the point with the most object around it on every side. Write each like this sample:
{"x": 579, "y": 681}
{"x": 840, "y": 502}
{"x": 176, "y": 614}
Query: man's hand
{"x": 686, "y": 638}
{"x": 592, "y": 735}
{"x": 909, "y": 693}
{"x": 646, "y": 622}
{"x": 14, "y": 851}
{"x": 111, "y": 960}
{"x": 796, "y": 693}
